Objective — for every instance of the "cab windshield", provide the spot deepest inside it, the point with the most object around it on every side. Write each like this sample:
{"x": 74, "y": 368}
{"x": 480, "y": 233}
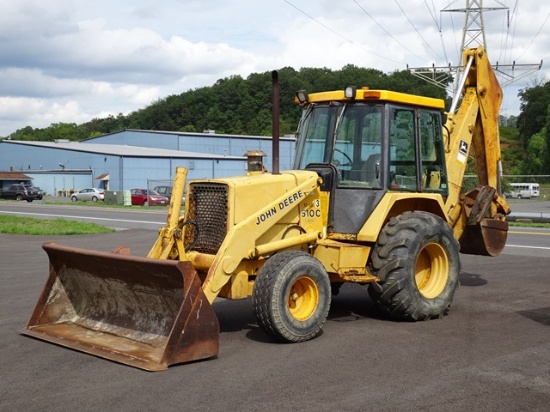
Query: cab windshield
{"x": 348, "y": 136}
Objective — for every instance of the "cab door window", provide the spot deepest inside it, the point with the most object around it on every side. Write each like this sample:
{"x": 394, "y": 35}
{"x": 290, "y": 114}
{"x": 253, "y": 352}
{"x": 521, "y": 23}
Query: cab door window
{"x": 417, "y": 158}
{"x": 403, "y": 165}
{"x": 432, "y": 156}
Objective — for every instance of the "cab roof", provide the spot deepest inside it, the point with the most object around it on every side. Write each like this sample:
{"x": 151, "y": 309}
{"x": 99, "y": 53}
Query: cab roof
{"x": 368, "y": 95}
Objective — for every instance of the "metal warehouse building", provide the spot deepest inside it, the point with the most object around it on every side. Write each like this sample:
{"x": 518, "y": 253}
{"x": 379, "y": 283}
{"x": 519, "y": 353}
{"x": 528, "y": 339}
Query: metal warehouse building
{"x": 132, "y": 158}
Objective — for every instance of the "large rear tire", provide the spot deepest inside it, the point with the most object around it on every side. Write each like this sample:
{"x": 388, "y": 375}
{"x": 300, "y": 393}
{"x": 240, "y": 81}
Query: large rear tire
{"x": 292, "y": 296}
{"x": 417, "y": 259}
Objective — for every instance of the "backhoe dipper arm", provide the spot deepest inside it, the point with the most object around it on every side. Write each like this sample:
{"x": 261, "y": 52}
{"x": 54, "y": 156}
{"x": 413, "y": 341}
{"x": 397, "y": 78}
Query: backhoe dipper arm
{"x": 475, "y": 126}
{"x": 477, "y": 217}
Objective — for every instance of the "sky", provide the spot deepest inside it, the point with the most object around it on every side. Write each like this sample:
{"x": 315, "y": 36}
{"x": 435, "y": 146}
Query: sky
{"x": 74, "y": 60}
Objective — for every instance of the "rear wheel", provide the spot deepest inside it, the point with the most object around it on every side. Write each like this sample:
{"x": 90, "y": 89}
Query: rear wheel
{"x": 417, "y": 259}
{"x": 19, "y": 197}
{"x": 292, "y": 296}
{"x": 94, "y": 199}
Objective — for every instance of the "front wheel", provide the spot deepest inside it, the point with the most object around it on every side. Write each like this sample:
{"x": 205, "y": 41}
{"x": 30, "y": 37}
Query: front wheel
{"x": 19, "y": 197}
{"x": 74, "y": 198}
{"x": 292, "y": 296}
{"x": 417, "y": 259}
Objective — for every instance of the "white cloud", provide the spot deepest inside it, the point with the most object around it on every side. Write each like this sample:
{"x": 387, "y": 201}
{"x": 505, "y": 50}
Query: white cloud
{"x": 72, "y": 60}
{"x": 138, "y": 95}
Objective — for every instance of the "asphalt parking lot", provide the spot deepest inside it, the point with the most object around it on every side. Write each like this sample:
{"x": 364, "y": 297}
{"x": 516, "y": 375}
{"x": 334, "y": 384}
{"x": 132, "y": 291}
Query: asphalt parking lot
{"x": 492, "y": 353}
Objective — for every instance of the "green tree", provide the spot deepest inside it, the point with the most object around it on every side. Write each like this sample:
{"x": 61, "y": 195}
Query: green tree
{"x": 536, "y": 150}
{"x": 534, "y": 111}
{"x": 546, "y": 163}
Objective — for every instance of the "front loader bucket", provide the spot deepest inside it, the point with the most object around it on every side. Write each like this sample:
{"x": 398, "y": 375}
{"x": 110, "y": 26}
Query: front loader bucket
{"x": 142, "y": 312}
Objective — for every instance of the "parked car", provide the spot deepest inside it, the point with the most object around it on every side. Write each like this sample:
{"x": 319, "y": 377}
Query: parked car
{"x": 91, "y": 193}
{"x": 143, "y": 197}
{"x": 18, "y": 191}
{"x": 167, "y": 191}
{"x": 37, "y": 190}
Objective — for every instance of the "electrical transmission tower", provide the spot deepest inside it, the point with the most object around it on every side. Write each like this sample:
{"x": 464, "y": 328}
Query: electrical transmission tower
{"x": 473, "y": 35}
{"x": 473, "y": 32}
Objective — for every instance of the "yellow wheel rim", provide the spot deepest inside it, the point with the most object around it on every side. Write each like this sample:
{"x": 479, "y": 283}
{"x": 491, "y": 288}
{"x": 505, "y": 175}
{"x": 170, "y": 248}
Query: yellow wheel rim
{"x": 303, "y": 298}
{"x": 432, "y": 270}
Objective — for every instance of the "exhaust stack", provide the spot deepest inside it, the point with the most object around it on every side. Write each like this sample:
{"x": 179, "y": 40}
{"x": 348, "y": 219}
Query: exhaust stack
{"x": 275, "y": 121}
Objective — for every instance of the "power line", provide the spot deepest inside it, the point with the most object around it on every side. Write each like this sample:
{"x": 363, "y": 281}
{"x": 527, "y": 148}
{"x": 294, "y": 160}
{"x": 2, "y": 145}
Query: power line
{"x": 506, "y": 51}
{"x": 536, "y": 35}
{"x": 340, "y": 35}
{"x": 385, "y": 31}
{"x": 416, "y": 30}
{"x": 438, "y": 28}
{"x": 473, "y": 31}
{"x": 511, "y": 23}
{"x": 455, "y": 42}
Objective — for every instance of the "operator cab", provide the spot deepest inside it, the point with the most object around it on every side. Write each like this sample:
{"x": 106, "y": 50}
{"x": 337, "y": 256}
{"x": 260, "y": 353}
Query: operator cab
{"x": 376, "y": 141}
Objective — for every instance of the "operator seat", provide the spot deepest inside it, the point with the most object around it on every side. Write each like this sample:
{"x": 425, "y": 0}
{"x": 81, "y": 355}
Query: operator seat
{"x": 370, "y": 172}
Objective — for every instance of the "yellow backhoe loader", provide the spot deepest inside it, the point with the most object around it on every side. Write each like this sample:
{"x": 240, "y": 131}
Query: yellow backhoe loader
{"x": 375, "y": 198}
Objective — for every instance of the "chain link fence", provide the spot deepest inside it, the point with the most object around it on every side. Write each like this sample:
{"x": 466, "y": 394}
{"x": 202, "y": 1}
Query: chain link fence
{"x": 470, "y": 182}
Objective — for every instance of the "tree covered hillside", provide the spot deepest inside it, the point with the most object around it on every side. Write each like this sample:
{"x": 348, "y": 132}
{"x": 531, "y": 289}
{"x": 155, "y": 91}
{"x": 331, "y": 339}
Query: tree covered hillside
{"x": 235, "y": 105}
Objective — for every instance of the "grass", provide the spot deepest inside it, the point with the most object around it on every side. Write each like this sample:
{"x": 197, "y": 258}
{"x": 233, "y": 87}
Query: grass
{"x": 102, "y": 204}
{"x": 82, "y": 203}
{"x": 529, "y": 224}
{"x": 31, "y": 226}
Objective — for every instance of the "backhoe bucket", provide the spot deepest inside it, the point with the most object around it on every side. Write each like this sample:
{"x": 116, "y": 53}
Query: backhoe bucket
{"x": 486, "y": 238}
{"x": 142, "y": 312}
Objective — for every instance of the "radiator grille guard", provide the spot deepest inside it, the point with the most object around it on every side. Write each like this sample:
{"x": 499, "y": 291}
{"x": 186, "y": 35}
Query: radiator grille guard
{"x": 207, "y": 217}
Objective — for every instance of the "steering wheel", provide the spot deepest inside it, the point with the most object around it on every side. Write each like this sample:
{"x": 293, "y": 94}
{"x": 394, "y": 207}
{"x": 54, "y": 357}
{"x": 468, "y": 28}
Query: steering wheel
{"x": 338, "y": 164}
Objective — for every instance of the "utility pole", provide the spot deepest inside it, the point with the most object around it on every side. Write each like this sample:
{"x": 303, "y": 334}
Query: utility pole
{"x": 473, "y": 35}
{"x": 473, "y": 31}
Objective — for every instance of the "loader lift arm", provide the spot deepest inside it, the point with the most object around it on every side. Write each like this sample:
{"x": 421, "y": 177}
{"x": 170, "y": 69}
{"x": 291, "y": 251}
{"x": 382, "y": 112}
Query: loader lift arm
{"x": 170, "y": 236}
{"x": 240, "y": 241}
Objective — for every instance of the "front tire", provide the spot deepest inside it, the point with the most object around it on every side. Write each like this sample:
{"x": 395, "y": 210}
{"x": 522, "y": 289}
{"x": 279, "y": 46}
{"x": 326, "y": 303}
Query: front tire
{"x": 292, "y": 296}
{"x": 417, "y": 259}
{"x": 19, "y": 198}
